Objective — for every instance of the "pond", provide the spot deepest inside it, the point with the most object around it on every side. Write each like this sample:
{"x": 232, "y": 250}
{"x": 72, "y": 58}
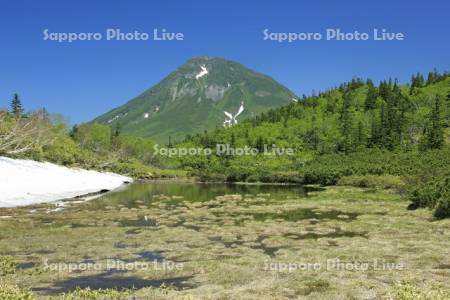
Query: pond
{"x": 148, "y": 193}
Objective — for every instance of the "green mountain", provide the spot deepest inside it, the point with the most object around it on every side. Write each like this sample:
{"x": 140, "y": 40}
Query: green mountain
{"x": 193, "y": 99}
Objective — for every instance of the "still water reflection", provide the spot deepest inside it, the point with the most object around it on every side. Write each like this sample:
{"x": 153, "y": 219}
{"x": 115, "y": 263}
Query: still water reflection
{"x": 147, "y": 193}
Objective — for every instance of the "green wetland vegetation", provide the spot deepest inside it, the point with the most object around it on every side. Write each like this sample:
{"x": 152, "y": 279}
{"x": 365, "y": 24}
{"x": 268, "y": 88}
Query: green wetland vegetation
{"x": 229, "y": 242}
{"x": 359, "y": 211}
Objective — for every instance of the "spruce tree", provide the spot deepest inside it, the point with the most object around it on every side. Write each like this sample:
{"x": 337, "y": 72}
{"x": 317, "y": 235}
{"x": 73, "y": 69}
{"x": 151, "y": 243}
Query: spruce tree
{"x": 384, "y": 126}
{"x": 371, "y": 97}
{"x": 420, "y": 80}
{"x": 73, "y": 131}
{"x": 433, "y": 77}
{"x": 398, "y": 115}
{"x": 375, "y": 131}
{"x": 417, "y": 81}
{"x": 384, "y": 89}
{"x": 16, "y": 106}
{"x": 259, "y": 144}
{"x": 117, "y": 129}
{"x": 435, "y": 135}
{"x": 233, "y": 140}
{"x": 360, "y": 134}
{"x": 346, "y": 123}
{"x": 45, "y": 114}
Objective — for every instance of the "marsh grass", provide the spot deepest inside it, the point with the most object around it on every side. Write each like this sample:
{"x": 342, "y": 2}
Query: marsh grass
{"x": 226, "y": 243}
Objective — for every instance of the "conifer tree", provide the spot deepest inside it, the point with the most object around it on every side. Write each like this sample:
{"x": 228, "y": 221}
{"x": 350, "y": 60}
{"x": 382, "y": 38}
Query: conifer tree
{"x": 16, "y": 106}
{"x": 417, "y": 81}
{"x": 384, "y": 126}
{"x": 233, "y": 140}
{"x": 117, "y": 129}
{"x": 375, "y": 130}
{"x": 346, "y": 123}
{"x": 435, "y": 135}
{"x": 360, "y": 134}
{"x": 45, "y": 114}
{"x": 73, "y": 131}
{"x": 371, "y": 97}
{"x": 259, "y": 144}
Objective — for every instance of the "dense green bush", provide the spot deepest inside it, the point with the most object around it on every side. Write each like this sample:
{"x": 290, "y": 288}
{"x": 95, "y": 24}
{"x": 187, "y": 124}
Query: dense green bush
{"x": 434, "y": 195}
{"x": 134, "y": 147}
{"x": 65, "y": 151}
{"x": 95, "y": 136}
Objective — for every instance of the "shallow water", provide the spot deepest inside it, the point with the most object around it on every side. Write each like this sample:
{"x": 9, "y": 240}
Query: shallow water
{"x": 149, "y": 193}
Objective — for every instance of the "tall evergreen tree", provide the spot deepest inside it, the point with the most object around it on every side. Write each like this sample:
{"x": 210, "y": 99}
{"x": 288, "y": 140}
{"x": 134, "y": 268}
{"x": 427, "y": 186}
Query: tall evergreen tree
{"x": 360, "y": 136}
{"x": 433, "y": 77}
{"x": 330, "y": 105}
{"x": 233, "y": 140}
{"x": 73, "y": 131}
{"x": 16, "y": 106}
{"x": 384, "y": 89}
{"x": 259, "y": 144}
{"x": 417, "y": 81}
{"x": 435, "y": 134}
{"x": 375, "y": 132}
{"x": 346, "y": 123}
{"x": 44, "y": 114}
{"x": 371, "y": 97}
{"x": 117, "y": 129}
{"x": 384, "y": 126}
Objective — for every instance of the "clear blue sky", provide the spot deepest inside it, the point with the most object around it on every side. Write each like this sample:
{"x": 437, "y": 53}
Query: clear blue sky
{"x": 82, "y": 80}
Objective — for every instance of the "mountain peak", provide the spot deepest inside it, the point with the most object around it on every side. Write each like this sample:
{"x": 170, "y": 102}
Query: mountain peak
{"x": 194, "y": 97}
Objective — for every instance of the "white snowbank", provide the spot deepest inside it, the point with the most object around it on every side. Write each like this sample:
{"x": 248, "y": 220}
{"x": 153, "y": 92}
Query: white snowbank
{"x": 24, "y": 182}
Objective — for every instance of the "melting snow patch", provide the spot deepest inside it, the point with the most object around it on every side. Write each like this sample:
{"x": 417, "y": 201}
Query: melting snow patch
{"x": 25, "y": 182}
{"x": 202, "y": 73}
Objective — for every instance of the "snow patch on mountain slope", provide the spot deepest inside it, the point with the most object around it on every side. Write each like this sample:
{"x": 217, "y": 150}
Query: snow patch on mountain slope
{"x": 25, "y": 182}
{"x": 202, "y": 73}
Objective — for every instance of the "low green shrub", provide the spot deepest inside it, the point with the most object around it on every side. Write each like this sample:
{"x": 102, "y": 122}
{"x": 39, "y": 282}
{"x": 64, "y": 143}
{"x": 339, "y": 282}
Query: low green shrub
{"x": 7, "y": 266}
{"x": 132, "y": 168}
{"x": 442, "y": 209}
{"x": 373, "y": 181}
{"x": 12, "y": 292}
{"x": 329, "y": 169}
{"x": 410, "y": 292}
{"x": 88, "y": 294}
